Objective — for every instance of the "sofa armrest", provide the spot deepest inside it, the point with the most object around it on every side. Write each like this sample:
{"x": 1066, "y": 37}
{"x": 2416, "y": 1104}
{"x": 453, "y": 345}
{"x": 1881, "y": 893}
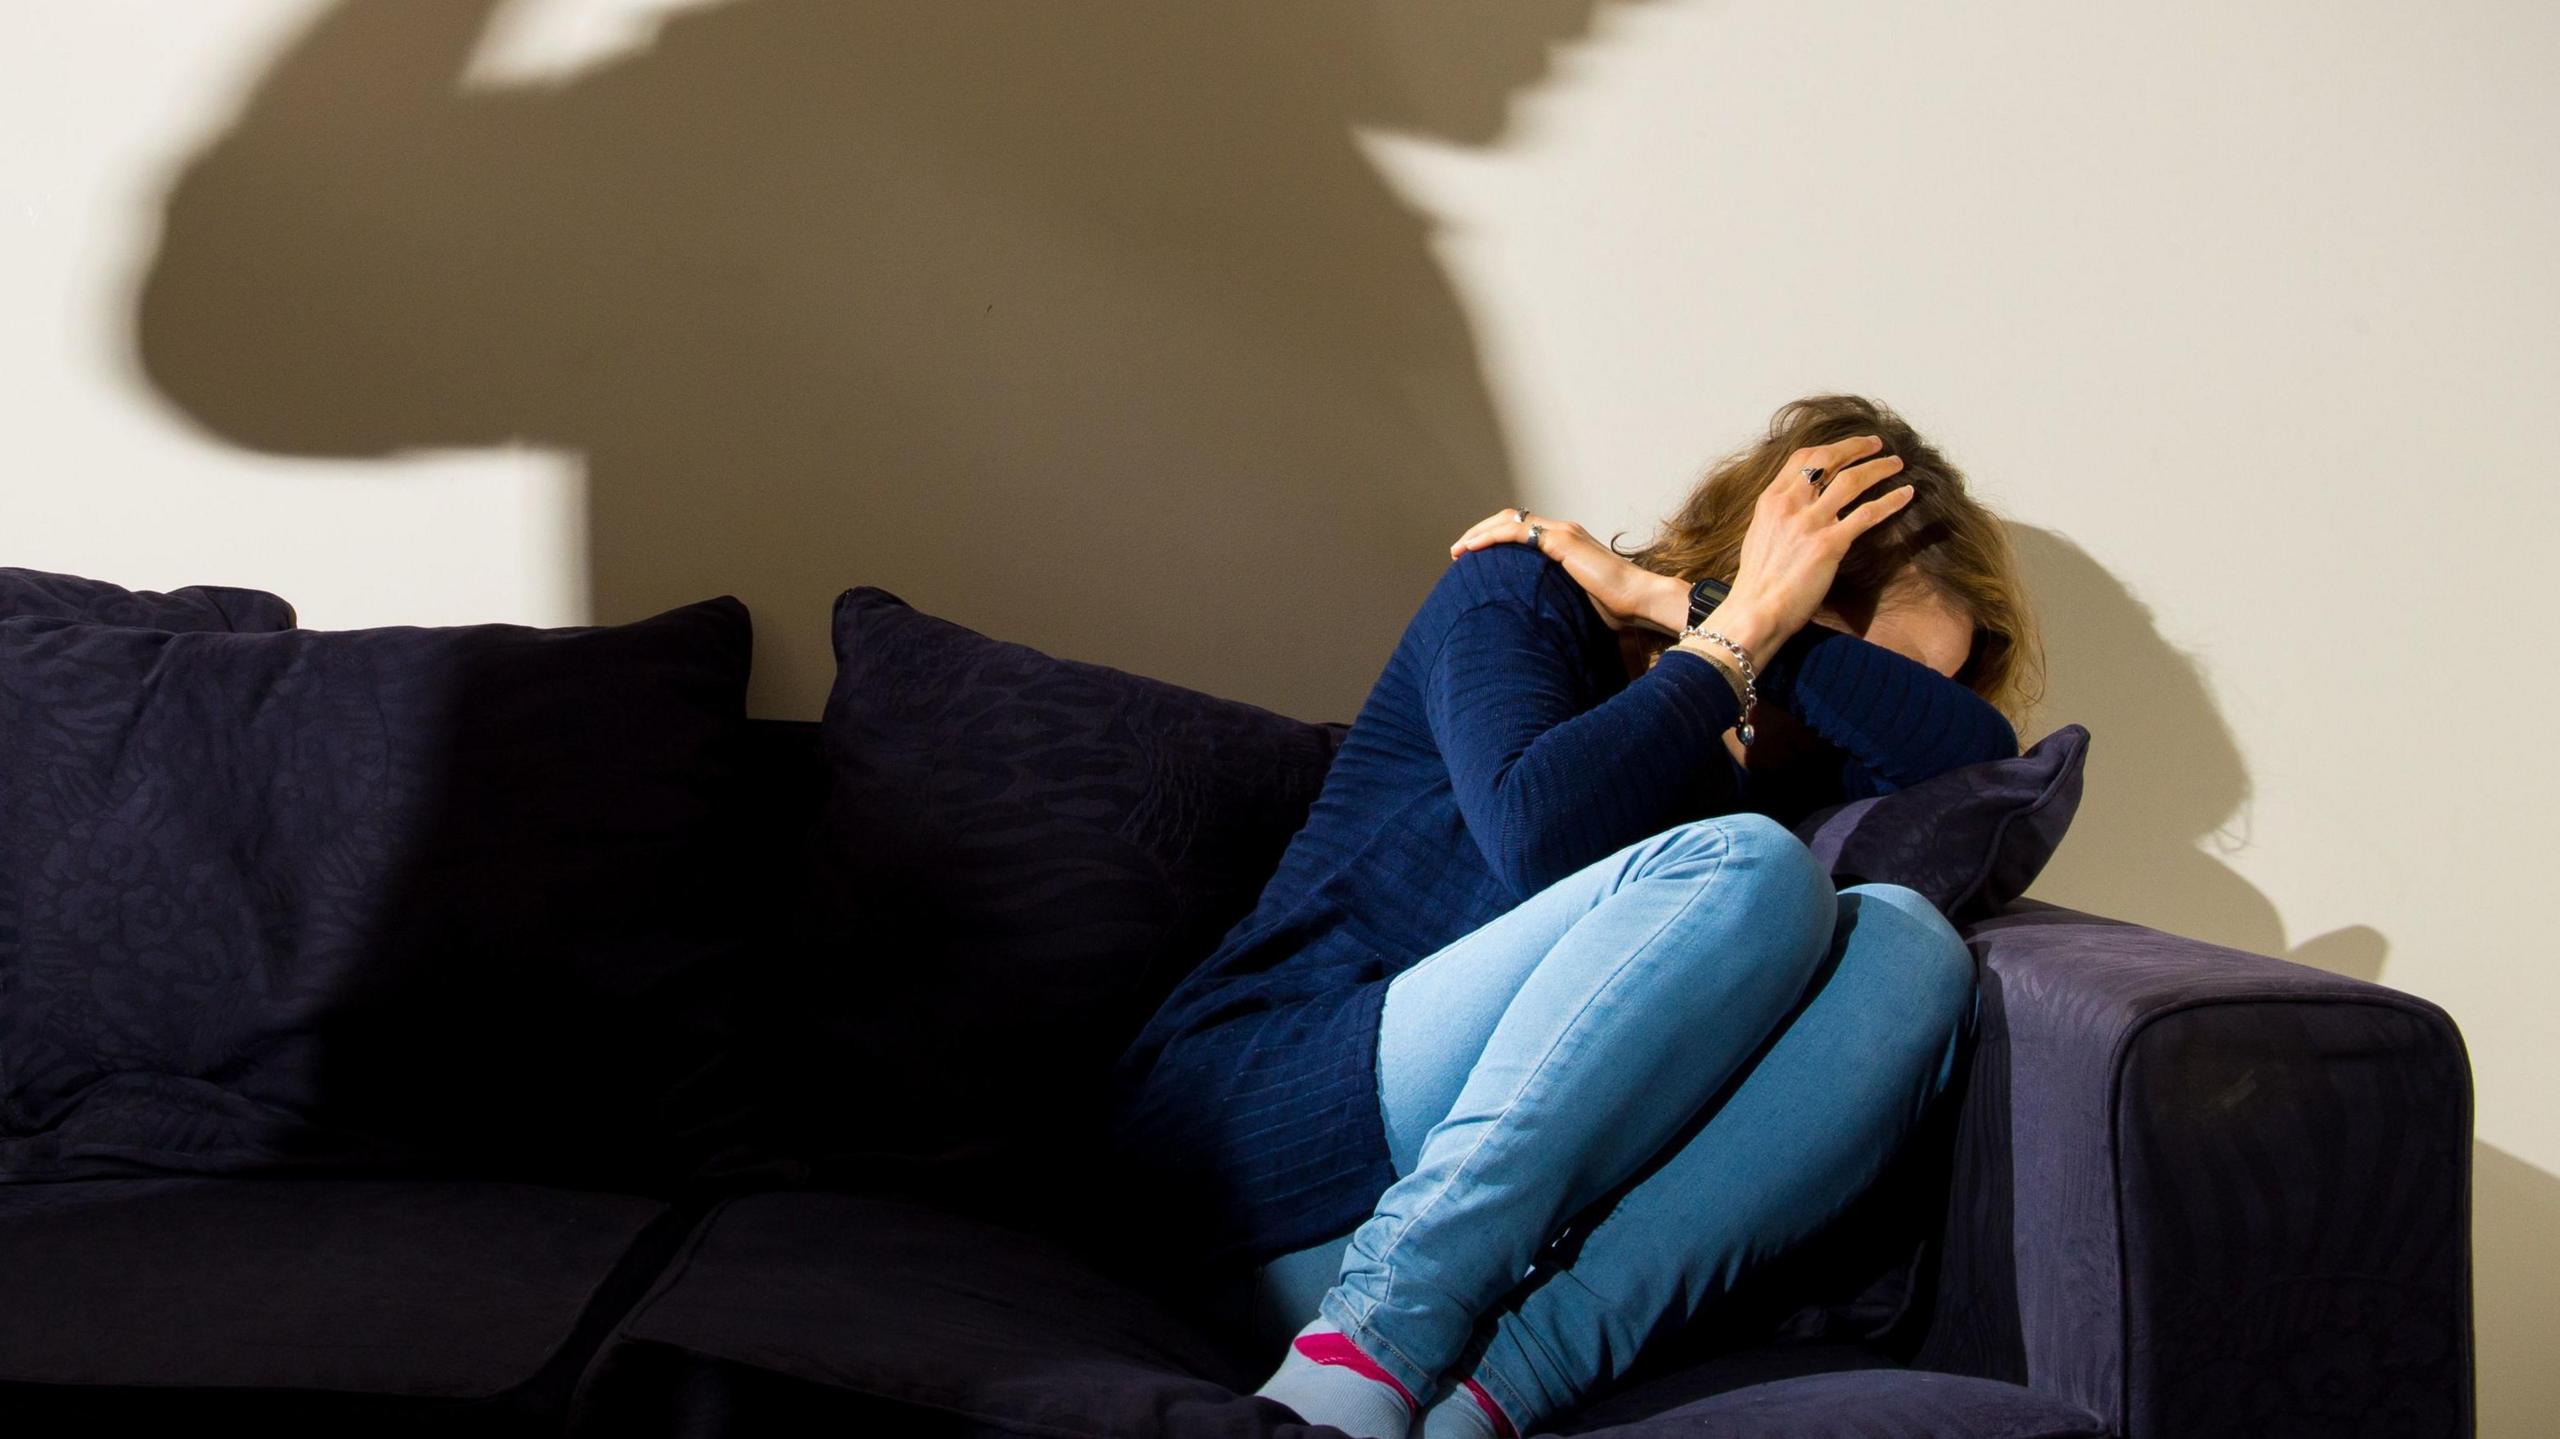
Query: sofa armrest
{"x": 2201, "y": 1192}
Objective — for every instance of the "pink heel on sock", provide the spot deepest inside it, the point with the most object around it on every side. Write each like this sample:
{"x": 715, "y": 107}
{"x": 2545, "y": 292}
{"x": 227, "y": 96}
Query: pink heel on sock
{"x": 1501, "y": 1422}
{"x": 1337, "y": 1348}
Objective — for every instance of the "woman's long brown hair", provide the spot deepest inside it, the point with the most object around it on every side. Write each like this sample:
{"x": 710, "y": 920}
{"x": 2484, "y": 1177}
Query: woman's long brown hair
{"x": 1957, "y": 544}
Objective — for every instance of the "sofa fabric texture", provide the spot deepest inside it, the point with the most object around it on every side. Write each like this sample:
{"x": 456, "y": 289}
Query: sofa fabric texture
{"x": 371, "y": 1000}
{"x": 2197, "y": 1190}
{"x": 843, "y": 1311}
{"x": 1016, "y": 857}
{"x": 286, "y": 1280}
{"x": 407, "y": 899}
{"x": 1971, "y": 839}
{"x": 189, "y": 607}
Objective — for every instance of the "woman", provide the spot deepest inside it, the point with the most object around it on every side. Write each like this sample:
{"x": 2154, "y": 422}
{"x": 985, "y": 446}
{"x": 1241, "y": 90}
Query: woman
{"x": 1547, "y": 908}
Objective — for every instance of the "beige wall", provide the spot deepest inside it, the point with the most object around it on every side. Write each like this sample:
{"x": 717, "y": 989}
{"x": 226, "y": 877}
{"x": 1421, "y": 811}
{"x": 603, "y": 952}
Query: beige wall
{"x": 1184, "y": 337}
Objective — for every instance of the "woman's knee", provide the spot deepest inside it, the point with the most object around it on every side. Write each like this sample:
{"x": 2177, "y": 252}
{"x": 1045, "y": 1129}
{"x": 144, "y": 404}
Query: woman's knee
{"x": 1759, "y": 844}
{"x": 1911, "y": 902}
{"x": 1930, "y": 960}
{"x": 1778, "y": 891}
{"x": 1742, "y": 828}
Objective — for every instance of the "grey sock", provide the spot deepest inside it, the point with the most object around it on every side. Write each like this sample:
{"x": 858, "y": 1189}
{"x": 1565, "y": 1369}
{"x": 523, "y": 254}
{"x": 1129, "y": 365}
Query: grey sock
{"x": 1459, "y": 1415}
{"x": 1328, "y": 1380}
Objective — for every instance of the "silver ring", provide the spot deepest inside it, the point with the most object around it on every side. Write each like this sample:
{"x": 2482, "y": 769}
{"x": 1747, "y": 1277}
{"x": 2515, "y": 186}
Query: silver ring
{"x": 1535, "y": 532}
{"x": 1813, "y": 474}
{"x": 1519, "y": 514}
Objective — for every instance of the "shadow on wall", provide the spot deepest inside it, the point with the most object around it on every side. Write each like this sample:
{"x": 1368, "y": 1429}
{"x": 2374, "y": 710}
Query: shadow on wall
{"x": 2165, "y": 775}
{"x": 1087, "y": 326}
{"x": 2516, "y": 1291}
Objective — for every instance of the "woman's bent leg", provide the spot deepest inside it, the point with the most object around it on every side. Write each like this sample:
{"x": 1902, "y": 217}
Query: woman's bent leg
{"x": 1645, "y": 983}
{"x": 1811, "y": 1125}
{"x": 1437, "y": 1017}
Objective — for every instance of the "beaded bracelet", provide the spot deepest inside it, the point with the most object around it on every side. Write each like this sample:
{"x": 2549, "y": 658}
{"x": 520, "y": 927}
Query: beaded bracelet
{"x": 1750, "y": 692}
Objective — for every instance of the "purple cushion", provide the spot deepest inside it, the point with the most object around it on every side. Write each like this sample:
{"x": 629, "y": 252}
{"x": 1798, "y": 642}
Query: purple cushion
{"x": 809, "y": 1313}
{"x": 1864, "y": 1402}
{"x": 210, "y": 1290}
{"x": 193, "y": 607}
{"x": 1017, "y": 858}
{"x": 406, "y": 897}
{"x": 840, "y": 1313}
{"x": 1971, "y": 840}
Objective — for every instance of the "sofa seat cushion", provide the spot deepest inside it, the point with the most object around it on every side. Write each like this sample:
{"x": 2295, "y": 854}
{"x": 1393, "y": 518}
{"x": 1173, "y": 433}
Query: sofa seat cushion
{"x": 427, "y": 1289}
{"x": 1825, "y": 1391}
{"x": 791, "y": 1311}
{"x": 797, "y": 1312}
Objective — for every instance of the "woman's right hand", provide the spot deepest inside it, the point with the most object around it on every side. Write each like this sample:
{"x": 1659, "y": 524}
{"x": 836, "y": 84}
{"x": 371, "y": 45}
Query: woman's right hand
{"x": 1792, "y": 551}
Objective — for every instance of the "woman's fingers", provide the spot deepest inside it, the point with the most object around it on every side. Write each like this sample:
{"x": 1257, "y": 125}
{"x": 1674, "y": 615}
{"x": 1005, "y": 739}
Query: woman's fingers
{"x": 1853, "y": 482}
{"x": 1875, "y": 512}
{"x": 1506, "y": 527}
{"x": 1496, "y": 528}
{"x": 1790, "y": 481}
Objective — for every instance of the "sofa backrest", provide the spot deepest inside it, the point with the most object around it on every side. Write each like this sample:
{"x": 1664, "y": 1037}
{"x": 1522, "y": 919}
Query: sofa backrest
{"x": 402, "y": 899}
{"x": 1005, "y": 860}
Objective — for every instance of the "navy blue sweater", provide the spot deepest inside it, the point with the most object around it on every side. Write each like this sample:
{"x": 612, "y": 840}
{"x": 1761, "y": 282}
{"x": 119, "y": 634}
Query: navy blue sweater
{"x": 1502, "y": 748}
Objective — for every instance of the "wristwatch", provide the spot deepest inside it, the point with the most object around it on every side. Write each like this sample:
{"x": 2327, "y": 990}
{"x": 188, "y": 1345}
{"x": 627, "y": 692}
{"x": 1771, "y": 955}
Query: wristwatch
{"x": 1704, "y": 596}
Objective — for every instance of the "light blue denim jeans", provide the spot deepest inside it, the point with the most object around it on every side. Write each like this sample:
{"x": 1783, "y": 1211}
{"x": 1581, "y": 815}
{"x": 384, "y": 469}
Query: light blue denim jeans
{"x": 1530, "y": 1067}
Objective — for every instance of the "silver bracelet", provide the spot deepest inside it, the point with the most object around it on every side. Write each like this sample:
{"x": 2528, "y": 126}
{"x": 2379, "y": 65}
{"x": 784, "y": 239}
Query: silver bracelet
{"x": 1750, "y": 676}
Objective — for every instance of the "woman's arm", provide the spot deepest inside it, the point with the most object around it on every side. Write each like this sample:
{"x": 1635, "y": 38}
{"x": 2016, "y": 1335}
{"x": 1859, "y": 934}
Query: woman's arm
{"x": 1546, "y": 786}
{"x": 1898, "y": 720}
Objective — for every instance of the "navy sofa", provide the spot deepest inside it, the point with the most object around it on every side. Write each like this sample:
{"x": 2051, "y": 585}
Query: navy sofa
{"x": 2183, "y": 1191}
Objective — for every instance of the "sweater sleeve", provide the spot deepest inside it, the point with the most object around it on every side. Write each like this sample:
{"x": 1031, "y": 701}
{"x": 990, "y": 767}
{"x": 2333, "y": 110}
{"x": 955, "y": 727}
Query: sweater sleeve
{"x": 1546, "y": 786}
{"x": 1898, "y": 721}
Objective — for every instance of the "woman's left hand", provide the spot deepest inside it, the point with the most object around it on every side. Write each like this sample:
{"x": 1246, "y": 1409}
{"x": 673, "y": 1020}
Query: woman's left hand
{"x": 1626, "y": 594}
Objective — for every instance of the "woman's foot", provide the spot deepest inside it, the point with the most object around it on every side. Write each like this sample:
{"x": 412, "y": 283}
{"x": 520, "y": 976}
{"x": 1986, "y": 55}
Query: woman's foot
{"x": 1328, "y": 1380}
{"x": 1466, "y": 1412}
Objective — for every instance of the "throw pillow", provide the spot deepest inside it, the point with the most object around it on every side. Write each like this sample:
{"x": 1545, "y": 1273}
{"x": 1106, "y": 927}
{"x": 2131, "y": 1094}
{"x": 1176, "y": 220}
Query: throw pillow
{"x": 1018, "y": 857}
{"x": 402, "y": 898}
{"x": 193, "y": 607}
{"x": 1971, "y": 839}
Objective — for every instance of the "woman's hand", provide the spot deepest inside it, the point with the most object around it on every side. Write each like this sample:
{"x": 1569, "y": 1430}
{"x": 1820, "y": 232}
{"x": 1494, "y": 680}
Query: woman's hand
{"x": 1627, "y": 595}
{"x": 1792, "y": 551}
{"x": 1790, "y": 555}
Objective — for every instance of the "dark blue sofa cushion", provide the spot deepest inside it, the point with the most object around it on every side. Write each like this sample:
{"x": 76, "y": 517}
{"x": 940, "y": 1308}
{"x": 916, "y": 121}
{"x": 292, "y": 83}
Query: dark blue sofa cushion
{"x": 858, "y": 1314}
{"x": 1849, "y": 1402}
{"x": 1971, "y": 839}
{"x": 340, "y": 1306}
{"x": 1017, "y": 857}
{"x": 442, "y": 899}
{"x": 809, "y": 1313}
{"x": 192, "y": 607}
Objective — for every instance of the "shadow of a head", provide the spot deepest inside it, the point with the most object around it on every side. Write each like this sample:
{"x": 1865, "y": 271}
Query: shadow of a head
{"x": 982, "y": 302}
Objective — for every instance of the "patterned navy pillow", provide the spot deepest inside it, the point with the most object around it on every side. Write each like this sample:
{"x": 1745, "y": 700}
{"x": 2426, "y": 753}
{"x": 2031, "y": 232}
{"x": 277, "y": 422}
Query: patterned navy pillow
{"x": 1971, "y": 839}
{"x": 194, "y": 607}
{"x": 1018, "y": 857}
{"x": 376, "y": 899}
